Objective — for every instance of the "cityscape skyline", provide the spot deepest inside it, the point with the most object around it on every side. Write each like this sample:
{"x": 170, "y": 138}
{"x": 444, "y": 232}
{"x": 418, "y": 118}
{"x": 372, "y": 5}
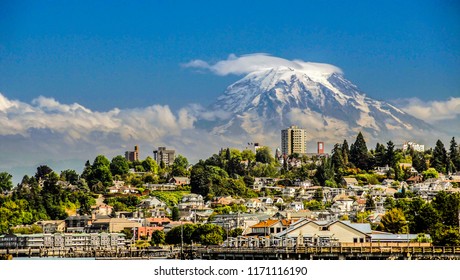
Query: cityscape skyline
{"x": 79, "y": 79}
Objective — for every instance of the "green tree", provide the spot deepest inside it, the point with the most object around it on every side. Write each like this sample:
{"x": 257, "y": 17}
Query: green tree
{"x": 430, "y": 173}
{"x": 42, "y": 172}
{"x": 234, "y": 166}
{"x": 313, "y": 205}
{"x": 6, "y": 183}
{"x": 394, "y": 221}
{"x": 324, "y": 172}
{"x": 446, "y": 236}
{"x": 70, "y": 176}
{"x": 363, "y": 217}
{"x": 186, "y": 230}
{"x": 87, "y": 171}
{"x": 318, "y": 195}
{"x": 418, "y": 161}
{"x": 209, "y": 234}
{"x": 454, "y": 155}
{"x": 380, "y": 155}
{"x": 100, "y": 173}
{"x": 390, "y": 155}
{"x": 337, "y": 159}
{"x": 425, "y": 219}
{"x": 389, "y": 203}
{"x": 235, "y": 232}
{"x": 150, "y": 165}
{"x": 175, "y": 215}
{"x": 370, "y": 203}
{"x": 206, "y": 178}
{"x": 345, "y": 152}
{"x": 119, "y": 166}
{"x": 158, "y": 238}
{"x": 263, "y": 155}
{"x": 439, "y": 160}
{"x": 447, "y": 205}
{"x": 359, "y": 154}
{"x": 179, "y": 167}
{"x": 128, "y": 233}
{"x": 248, "y": 155}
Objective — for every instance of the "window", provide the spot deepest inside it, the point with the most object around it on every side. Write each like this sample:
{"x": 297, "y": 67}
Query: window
{"x": 361, "y": 240}
{"x": 355, "y": 240}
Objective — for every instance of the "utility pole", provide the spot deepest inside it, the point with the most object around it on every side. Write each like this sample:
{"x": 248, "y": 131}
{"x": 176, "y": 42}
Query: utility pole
{"x": 181, "y": 241}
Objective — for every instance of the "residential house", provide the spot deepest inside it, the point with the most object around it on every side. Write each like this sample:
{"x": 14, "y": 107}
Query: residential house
{"x": 342, "y": 204}
{"x": 382, "y": 170}
{"x": 268, "y": 227}
{"x": 224, "y": 200}
{"x": 295, "y": 205}
{"x": 253, "y": 203}
{"x": 359, "y": 205}
{"x": 180, "y": 181}
{"x": 302, "y": 183}
{"x": 151, "y": 202}
{"x": 158, "y": 222}
{"x": 262, "y": 182}
{"x": 160, "y": 187}
{"x": 349, "y": 182}
{"x": 266, "y": 201}
{"x": 292, "y": 215}
{"x": 289, "y": 192}
{"x": 103, "y": 209}
{"x": 191, "y": 201}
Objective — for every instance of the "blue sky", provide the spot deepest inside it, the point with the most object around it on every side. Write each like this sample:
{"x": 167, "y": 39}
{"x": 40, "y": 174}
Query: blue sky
{"x": 105, "y": 54}
{"x": 81, "y": 78}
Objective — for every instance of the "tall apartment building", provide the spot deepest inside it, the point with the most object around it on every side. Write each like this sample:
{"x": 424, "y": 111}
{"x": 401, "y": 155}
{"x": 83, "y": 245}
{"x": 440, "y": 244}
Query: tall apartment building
{"x": 167, "y": 156}
{"x": 132, "y": 155}
{"x": 293, "y": 140}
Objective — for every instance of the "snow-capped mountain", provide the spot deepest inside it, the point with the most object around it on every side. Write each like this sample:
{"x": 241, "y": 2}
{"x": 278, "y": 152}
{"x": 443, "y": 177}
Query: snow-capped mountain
{"x": 323, "y": 102}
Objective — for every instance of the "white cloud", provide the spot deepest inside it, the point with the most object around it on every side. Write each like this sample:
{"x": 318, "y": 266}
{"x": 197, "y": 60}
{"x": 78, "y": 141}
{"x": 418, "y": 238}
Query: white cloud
{"x": 79, "y": 123}
{"x": 259, "y": 61}
{"x": 433, "y": 111}
{"x": 203, "y": 113}
{"x": 45, "y": 131}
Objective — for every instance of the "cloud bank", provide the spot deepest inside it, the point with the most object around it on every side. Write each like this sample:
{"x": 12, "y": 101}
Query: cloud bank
{"x": 432, "y": 111}
{"x": 78, "y": 122}
{"x": 64, "y": 136}
{"x": 258, "y": 62}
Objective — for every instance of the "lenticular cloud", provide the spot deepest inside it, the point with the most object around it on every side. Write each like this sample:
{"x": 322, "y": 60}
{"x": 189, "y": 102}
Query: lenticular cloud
{"x": 258, "y": 62}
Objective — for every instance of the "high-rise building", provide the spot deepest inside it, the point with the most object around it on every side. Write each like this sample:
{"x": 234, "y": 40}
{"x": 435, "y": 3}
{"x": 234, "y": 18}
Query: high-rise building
{"x": 320, "y": 148}
{"x": 293, "y": 140}
{"x": 132, "y": 155}
{"x": 163, "y": 155}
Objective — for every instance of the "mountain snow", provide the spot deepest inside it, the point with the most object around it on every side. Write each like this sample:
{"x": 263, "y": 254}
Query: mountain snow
{"x": 323, "y": 102}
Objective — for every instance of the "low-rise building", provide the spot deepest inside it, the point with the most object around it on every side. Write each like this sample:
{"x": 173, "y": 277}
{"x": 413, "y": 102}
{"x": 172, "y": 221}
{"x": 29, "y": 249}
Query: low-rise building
{"x": 52, "y": 226}
{"x": 75, "y": 241}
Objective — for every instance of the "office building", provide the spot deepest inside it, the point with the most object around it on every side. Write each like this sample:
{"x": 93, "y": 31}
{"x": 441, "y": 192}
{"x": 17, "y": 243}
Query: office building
{"x": 163, "y": 155}
{"x": 132, "y": 155}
